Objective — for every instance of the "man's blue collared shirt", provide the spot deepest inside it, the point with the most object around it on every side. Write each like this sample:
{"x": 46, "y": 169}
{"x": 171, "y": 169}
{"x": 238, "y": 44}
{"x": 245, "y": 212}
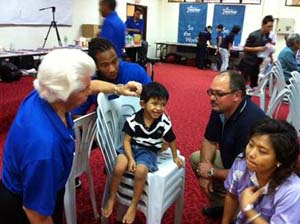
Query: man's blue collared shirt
{"x": 113, "y": 29}
{"x": 139, "y": 24}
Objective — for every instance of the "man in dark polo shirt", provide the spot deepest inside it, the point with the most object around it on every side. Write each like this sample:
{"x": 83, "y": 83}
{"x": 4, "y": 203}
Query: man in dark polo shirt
{"x": 255, "y": 43}
{"x": 226, "y": 136}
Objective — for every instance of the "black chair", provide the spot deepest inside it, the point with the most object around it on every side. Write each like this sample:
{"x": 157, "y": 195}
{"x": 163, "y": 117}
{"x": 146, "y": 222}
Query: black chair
{"x": 143, "y": 60}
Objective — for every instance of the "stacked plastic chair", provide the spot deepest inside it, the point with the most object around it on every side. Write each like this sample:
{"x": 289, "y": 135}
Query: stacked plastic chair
{"x": 274, "y": 78}
{"x": 85, "y": 130}
{"x": 292, "y": 94}
{"x": 163, "y": 187}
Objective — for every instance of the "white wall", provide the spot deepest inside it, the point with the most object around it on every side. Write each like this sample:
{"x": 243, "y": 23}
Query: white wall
{"x": 31, "y": 37}
{"x": 162, "y": 22}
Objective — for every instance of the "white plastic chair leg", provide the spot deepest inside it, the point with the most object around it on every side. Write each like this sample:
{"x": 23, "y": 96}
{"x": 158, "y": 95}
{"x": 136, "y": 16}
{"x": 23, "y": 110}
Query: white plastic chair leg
{"x": 70, "y": 202}
{"x": 179, "y": 206}
{"x": 92, "y": 193}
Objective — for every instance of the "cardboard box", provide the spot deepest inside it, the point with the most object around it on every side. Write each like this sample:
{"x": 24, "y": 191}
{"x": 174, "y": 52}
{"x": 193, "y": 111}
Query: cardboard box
{"x": 89, "y": 30}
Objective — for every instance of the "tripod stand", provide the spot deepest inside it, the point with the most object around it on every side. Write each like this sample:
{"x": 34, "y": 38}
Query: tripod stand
{"x": 52, "y": 24}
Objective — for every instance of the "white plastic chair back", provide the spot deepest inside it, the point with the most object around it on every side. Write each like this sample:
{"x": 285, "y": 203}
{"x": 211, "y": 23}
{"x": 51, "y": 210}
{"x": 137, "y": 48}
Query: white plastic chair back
{"x": 276, "y": 103}
{"x": 277, "y": 81}
{"x": 261, "y": 90}
{"x": 85, "y": 130}
{"x": 295, "y": 100}
{"x": 162, "y": 188}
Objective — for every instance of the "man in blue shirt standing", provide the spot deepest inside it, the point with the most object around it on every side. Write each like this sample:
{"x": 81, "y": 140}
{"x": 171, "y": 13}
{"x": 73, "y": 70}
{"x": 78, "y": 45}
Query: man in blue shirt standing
{"x": 110, "y": 69}
{"x": 287, "y": 56}
{"x": 113, "y": 28}
{"x": 134, "y": 24}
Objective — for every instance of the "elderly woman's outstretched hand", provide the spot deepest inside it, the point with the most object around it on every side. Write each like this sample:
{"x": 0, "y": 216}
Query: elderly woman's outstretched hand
{"x": 132, "y": 88}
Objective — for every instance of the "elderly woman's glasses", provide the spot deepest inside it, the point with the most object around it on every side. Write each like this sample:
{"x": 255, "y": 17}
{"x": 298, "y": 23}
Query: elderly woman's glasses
{"x": 217, "y": 93}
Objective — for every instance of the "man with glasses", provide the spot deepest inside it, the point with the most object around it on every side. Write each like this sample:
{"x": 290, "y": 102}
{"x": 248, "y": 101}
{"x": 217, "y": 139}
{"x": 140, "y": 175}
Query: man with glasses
{"x": 225, "y": 137}
{"x": 110, "y": 69}
{"x": 255, "y": 44}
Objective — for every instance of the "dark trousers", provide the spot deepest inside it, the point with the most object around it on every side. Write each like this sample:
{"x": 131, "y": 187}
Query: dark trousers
{"x": 11, "y": 211}
{"x": 252, "y": 74}
{"x": 201, "y": 56}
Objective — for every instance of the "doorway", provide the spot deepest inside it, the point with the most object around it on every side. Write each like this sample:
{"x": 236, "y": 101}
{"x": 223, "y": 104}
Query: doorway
{"x": 130, "y": 11}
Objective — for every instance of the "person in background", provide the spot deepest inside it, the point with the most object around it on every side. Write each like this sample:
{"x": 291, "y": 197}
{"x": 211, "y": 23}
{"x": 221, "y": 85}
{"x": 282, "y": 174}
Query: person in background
{"x": 202, "y": 53}
{"x": 255, "y": 43}
{"x": 219, "y": 38}
{"x": 287, "y": 56}
{"x": 140, "y": 156}
{"x": 225, "y": 137}
{"x": 110, "y": 69}
{"x": 113, "y": 27}
{"x": 263, "y": 185}
{"x": 226, "y": 47}
{"x": 267, "y": 55}
{"x": 134, "y": 24}
{"x": 40, "y": 144}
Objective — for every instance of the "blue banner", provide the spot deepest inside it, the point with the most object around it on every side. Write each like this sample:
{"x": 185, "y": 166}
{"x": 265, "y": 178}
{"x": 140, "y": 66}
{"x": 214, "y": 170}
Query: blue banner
{"x": 192, "y": 19}
{"x": 228, "y": 16}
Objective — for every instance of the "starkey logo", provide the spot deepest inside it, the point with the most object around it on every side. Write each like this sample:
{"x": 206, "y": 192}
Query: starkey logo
{"x": 192, "y": 9}
{"x": 229, "y": 12}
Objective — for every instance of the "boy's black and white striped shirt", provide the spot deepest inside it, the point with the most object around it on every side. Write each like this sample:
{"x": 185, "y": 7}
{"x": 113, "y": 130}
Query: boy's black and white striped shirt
{"x": 151, "y": 137}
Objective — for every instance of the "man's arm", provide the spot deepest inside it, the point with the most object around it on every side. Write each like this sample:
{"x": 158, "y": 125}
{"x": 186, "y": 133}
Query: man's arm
{"x": 255, "y": 49}
{"x": 137, "y": 31}
{"x": 208, "y": 151}
{"x": 230, "y": 208}
{"x": 130, "y": 89}
{"x": 36, "y": 218}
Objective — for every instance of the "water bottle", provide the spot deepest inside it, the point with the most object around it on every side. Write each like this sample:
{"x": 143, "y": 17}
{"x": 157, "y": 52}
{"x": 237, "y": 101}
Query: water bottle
{"x": 65, "y": 41}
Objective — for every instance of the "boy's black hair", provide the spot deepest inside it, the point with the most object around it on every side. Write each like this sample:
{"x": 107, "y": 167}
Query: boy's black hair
{"x": 154, "y": 90}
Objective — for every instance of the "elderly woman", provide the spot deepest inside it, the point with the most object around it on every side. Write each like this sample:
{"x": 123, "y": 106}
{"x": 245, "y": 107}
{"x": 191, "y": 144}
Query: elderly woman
{"x": 39, "y": 147}
{"x": 263, "y": 185}
{"x": 287, "y": 56}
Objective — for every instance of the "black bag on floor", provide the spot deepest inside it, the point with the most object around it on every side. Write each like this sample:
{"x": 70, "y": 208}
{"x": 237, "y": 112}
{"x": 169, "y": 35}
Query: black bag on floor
{"x": 9, "y": 72}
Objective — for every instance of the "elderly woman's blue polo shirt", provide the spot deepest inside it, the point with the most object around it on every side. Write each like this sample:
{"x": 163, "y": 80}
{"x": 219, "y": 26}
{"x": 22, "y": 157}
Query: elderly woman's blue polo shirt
{"x": 38, "y": 154}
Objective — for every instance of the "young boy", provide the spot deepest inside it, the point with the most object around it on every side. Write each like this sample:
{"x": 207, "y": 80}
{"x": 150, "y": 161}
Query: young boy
{"x": 144, "y": 134}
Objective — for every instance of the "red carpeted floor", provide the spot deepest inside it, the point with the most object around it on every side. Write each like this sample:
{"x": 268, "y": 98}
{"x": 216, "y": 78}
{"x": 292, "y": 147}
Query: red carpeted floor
{"x": 188, "y": 108}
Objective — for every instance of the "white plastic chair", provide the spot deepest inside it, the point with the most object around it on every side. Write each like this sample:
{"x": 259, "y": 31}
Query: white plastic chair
{"x": 162, "y": 188}
{"x": 262, "y": 89}
{"x": 85, "y": 130}
{"x": 276, "y": 81}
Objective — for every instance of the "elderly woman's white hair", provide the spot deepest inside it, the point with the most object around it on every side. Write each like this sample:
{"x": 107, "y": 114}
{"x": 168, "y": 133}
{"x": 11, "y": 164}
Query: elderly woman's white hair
{"x": 61, "y": 73}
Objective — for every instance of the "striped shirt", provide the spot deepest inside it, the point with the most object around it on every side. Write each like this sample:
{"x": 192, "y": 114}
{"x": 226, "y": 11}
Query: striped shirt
{"x": 149, "y": 137}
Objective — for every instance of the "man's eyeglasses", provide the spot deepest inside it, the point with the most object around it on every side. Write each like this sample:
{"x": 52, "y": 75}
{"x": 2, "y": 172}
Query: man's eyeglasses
{"x": 217, "y": 93}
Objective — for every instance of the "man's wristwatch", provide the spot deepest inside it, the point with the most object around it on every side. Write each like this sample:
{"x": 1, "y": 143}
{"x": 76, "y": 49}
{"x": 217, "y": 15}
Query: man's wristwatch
{"x": 211, "y": 172}
{"x": 247, "y": 208}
